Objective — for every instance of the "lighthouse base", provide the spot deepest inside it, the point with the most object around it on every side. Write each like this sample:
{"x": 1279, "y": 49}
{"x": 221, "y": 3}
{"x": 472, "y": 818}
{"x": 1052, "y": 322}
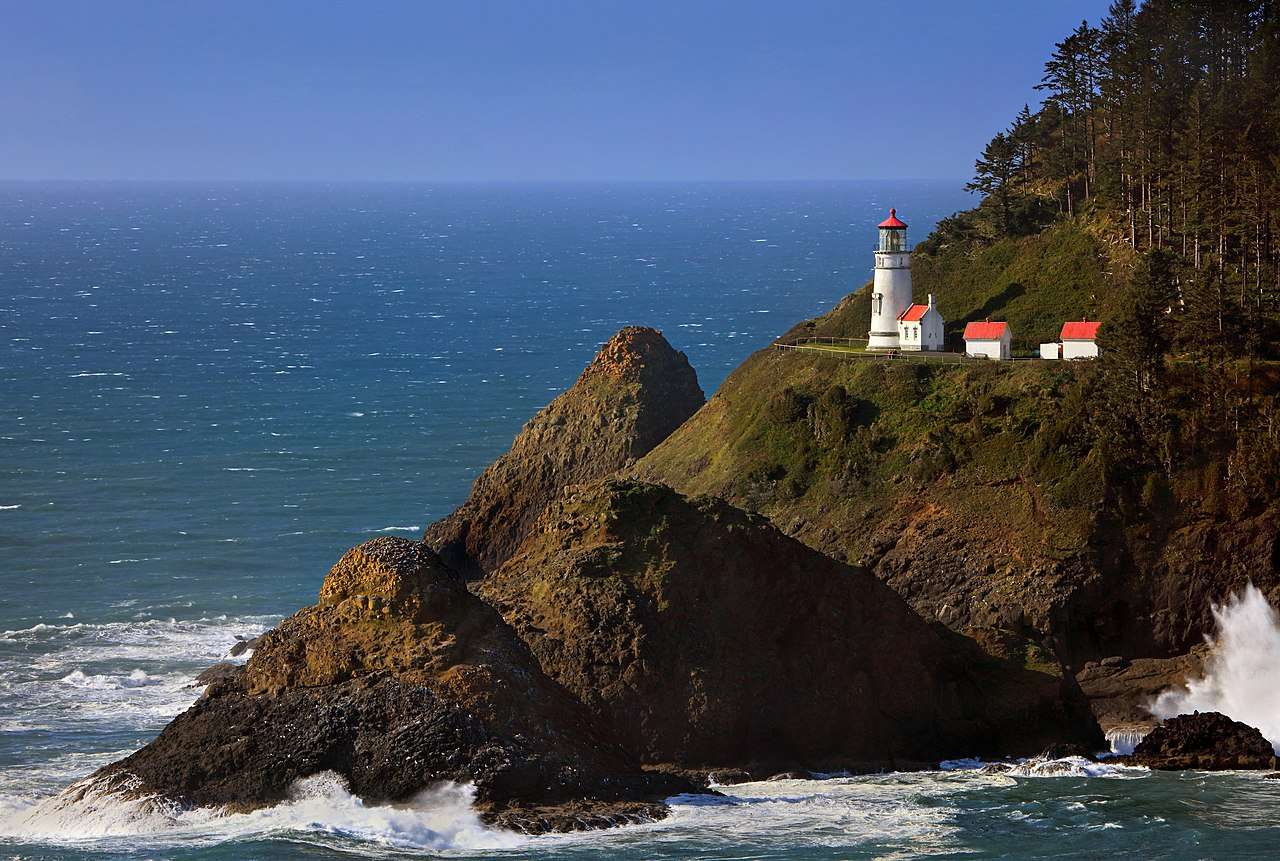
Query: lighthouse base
{"x": 882, "y": 340}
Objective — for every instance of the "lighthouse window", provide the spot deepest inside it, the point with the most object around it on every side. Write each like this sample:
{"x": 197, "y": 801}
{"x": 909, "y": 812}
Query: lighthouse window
{"x": 892, "y": 240}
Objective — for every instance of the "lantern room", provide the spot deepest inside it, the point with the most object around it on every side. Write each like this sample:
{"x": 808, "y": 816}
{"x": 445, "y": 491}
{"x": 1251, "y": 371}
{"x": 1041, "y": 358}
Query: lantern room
{"x": 893, "y": 233}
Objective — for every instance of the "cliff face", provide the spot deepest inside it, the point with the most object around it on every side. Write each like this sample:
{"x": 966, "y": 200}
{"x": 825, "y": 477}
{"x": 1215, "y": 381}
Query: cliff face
{"x": 396, "y": 679}
{"x": 636, "y": 391}
{"x": 976, "y": 493}
{"x": 705, "y": 637}
{"x": 621, "y": 624}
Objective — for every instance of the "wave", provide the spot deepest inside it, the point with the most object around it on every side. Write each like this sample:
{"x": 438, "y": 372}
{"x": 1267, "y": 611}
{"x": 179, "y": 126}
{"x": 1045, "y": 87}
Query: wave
{"x": 135, "y": 679}
{"x": 1124, "y": 739}
{"x": 108, "y": 809}
{"x": 1242, "y": 675}
{"x": 1067, "y": 766}
{"x": 85, "y": 677}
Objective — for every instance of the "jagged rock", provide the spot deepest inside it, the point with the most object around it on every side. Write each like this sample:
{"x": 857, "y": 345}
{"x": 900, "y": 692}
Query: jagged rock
{"x": 398, "y": 678}
{"x": 243, "y": 646}
{"x": 1204, "y": 740}
{"x": 704, "y": 636}
{"x": 636, "y": 391}
{"x": 219, "y": 673}
{"x": 729, "y": 776}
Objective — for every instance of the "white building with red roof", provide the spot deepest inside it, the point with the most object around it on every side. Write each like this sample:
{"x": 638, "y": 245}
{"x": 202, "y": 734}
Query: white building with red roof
{"x": 988, "y": 339}
{"x": 920, "y": 327}
{"x": 1080, "y": 339}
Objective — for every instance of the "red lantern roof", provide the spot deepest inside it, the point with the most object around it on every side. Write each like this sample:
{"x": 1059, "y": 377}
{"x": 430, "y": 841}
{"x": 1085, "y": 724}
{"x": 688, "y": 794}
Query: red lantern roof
{"x": 914, "y": 313}
{"x": 1084, "y": 330}
{"x": 984, "y": 331}
{"x": 892, "y": 222}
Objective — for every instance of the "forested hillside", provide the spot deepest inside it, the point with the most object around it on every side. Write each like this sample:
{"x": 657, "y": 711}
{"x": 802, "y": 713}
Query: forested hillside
{"x": 1074, "y": 510}
{"x": 1159, "y": 136}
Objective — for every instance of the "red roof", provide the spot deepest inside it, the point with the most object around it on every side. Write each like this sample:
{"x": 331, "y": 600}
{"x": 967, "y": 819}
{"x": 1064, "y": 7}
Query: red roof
{"x": 985, "y": 330}
{"x": 1083, "y": 330}
{"x": 892, "y": 222}
{"x": 912, "y": 314}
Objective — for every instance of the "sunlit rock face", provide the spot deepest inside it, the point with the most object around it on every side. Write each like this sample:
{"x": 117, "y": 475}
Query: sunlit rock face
{"x": 636, "y": 391}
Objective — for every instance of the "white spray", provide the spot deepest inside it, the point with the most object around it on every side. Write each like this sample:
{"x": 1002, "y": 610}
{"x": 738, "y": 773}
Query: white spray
{"x": 1242, "y": 674}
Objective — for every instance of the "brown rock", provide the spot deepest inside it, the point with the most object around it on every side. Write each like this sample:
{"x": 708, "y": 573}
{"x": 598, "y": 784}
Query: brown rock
{"x": 636, "y": 391}
{"x": 1205, "y": 740}
{"x": 398, "y": 678}
{"x": 1119, "y": 695}
{"x": 706, "y": 637}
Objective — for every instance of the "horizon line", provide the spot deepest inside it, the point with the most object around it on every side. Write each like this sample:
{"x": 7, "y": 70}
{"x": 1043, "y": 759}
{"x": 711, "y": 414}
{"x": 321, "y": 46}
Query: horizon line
{"x": 415, "y": 181}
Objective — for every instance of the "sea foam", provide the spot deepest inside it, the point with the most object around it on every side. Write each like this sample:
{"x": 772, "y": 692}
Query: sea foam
{"x": 1242, "y": 674}
{"x": 440, "y": 818}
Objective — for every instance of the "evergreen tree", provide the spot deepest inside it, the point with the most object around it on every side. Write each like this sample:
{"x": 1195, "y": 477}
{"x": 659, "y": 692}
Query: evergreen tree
{"x": 994, "y": 176}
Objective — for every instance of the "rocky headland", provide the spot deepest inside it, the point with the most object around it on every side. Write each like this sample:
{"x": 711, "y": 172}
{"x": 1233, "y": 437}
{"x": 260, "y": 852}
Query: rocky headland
{"x": 828, "y": 566}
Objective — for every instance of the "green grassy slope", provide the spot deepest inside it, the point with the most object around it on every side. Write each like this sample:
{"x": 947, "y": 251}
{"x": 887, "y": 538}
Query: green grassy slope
{"x": 1035, "y": 283}
{"x": 979, "y": 491}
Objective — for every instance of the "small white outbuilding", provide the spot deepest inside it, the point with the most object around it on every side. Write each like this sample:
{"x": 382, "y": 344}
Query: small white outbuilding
{"x": 1052, "y": 350}
{"x": 987, "y": 339}
{"x": 921, "y": 327}
{"x": 1080, "y": 339}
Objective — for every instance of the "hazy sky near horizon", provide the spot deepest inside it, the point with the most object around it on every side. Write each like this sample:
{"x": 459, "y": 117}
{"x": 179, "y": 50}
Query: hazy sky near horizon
{"x": 507, "y": 90}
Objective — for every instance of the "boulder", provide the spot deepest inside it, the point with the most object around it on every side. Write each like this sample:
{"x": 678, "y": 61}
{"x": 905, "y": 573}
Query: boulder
{"x": 398, "y": 678}
{"x": 243, "y": 646}
{"x": 705, "y": 637}
{"x": 1208, "y": 741}
{"x": 636, "y": 391}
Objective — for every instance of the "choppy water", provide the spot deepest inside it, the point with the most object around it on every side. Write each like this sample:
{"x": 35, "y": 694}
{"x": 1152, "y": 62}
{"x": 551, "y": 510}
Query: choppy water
{"x": 207, "y": 393}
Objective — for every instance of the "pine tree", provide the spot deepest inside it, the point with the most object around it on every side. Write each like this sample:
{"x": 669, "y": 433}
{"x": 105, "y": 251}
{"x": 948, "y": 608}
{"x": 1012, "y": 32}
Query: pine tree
{"x": 994, "y": 176}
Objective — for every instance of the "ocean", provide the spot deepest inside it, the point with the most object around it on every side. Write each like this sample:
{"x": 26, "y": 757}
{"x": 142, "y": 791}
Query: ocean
{"x": 209, "y": 392}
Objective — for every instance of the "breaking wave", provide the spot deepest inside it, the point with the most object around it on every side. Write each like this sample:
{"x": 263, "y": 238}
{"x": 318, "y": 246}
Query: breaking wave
{"x": 1074, "y": 766}
{"x": 1242, "y": 674}
{"x": 320, "y": 806}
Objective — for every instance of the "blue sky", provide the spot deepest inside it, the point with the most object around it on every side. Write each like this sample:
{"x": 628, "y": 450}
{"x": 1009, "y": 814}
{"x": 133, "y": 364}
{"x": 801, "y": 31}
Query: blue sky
{"x": 487, "y": 90}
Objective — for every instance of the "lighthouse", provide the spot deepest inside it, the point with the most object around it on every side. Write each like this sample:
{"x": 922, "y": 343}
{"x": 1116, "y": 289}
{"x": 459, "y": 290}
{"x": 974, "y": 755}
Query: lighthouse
{"x": 891, "y": 289}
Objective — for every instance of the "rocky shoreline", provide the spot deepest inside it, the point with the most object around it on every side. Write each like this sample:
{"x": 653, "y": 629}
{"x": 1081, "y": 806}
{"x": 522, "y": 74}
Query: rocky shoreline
{"x": 580, "y": 645}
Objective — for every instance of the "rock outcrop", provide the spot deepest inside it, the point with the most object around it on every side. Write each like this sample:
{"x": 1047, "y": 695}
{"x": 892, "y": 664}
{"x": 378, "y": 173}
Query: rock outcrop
{"x": 704, "y": 637}
{"x": 397, "y": 678}
{"x": 1120, "y": 690}
{"x": 1205, "y": 740}
{"x": 636, "y": 391}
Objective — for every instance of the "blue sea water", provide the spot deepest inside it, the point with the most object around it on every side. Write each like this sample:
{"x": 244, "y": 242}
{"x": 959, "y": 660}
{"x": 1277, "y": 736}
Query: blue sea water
{"x": 208, "y": 392}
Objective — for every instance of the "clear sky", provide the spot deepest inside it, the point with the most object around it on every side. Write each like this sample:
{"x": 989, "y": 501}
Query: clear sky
{"x": 515, "y": 89}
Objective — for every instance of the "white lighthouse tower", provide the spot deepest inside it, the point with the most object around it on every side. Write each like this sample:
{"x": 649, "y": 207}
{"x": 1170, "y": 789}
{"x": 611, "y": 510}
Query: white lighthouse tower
{"x": 891, "y": 289}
